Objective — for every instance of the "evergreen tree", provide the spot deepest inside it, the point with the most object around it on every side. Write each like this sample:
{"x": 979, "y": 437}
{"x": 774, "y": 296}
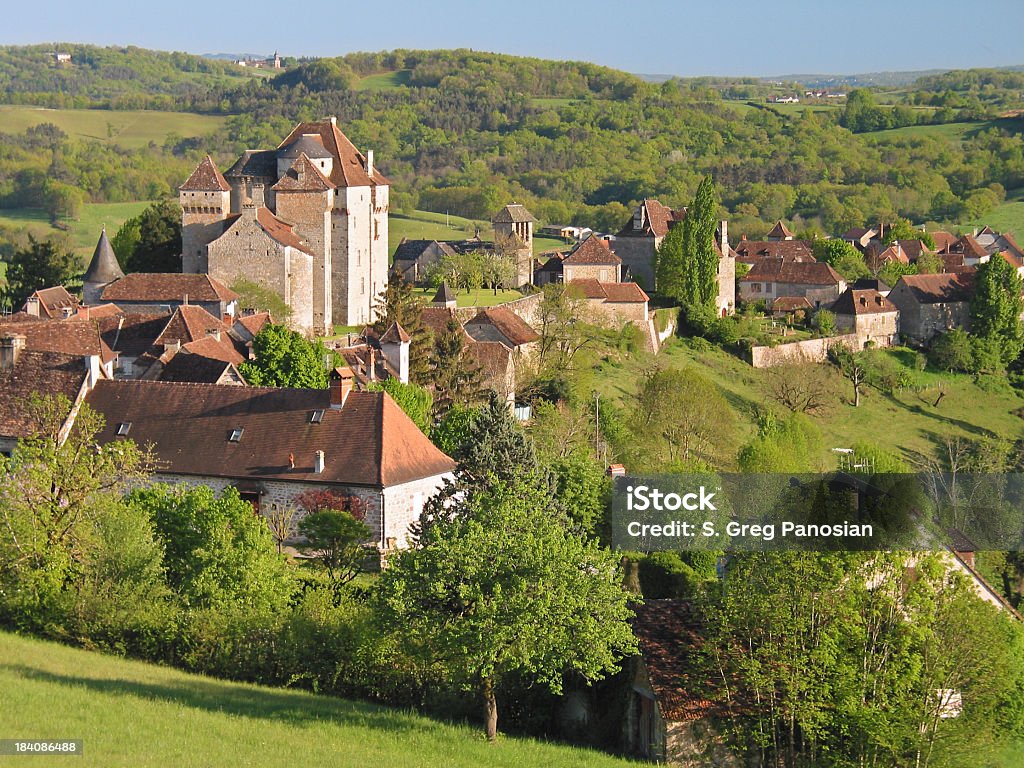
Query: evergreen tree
{"x": 454, "y": 375}
{"x": 398, "y": 304}
{"x": 41, "y": 264}
{"x": 700, "y": 259}
{"x": 158, "y": 248}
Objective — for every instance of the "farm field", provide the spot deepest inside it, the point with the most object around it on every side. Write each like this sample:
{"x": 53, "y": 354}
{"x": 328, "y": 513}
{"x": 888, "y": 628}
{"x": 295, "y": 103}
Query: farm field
{"x": 385, "y": 81}
{"x": 911, "y": 422}
{"x": 425, "y": 225}
{"x": 83, "y": 233}
{"x": 134, "y": 714}
{"x": 131, "y": 129}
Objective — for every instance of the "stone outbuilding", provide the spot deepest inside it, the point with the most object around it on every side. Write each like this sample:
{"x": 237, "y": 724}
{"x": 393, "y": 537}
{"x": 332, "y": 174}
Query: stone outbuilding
{"x": 868, "y": 314}
{"x": 932, "y": 304}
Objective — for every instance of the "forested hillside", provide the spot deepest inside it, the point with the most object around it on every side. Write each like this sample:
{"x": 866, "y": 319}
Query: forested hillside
{"x": 465, "y": 132}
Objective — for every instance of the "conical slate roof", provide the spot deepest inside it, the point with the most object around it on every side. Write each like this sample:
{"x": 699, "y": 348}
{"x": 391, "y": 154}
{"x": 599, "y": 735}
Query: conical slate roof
{"x": 444, "y": 294}
{"x": 104, "y": 267}
{"x": 306, "y": 145}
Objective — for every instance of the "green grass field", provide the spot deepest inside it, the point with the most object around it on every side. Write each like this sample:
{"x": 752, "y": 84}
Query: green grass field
{"x": 1008, "y": 217}
{"x": 385, "y": 81}
{"x": 128, "y": 129}
{"x": 483, "y": 297}
{"x": 904, "y": 423}
{"x": 134, "y": 714}
{"x": 425, "y": 225}
{"x": 951, "y": 132}
{"x": 83, "y": 233}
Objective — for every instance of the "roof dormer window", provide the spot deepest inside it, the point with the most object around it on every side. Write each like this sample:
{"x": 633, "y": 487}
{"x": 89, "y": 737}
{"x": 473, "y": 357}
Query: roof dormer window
{"x": 123, "y": 427}
{"x": 236, "y": 435}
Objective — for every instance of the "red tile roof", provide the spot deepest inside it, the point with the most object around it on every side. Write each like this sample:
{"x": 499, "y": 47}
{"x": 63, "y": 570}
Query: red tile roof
{"x": 36, "y": 372}
{"x": 370, "y": 441}
{"x": 593, "y": 250}
{"x": 943, "y": 240}
{"x": 72, "y": 336}
{"x": 395, "y": 335}
{"x": 623, "y": 293}
{"x": 206, "y": 178}
{"x": 52, "y": 301}
{"x": 508, "y": 323}
{"x": 349, "y": 167}
{"x": 862, "y": 302}
{"x": 658, "y": 219}
{"x": 188, "y": 323}
{"x": 303, "y": 176}
{"x": 254, "y": 323}
{"x": 790, "y": 304}
{"x": 935, "y": 289}
{"x": 780, "y": 231}
{"x": 752, "y": 251}
{"x": 167, "y": 287}
{"x": 792, "y": 272}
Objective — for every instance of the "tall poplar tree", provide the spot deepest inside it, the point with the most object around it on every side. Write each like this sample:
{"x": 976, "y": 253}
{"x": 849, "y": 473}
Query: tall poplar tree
{"x": 700, "y": 259}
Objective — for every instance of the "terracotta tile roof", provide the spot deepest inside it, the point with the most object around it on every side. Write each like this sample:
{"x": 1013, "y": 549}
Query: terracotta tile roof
{"x": 254, "y": 323}
{"x": 858, "y": 233}
{"x": 792, "y": 272}
{"x": 780, "y": 231}
{"x": 98, "y": 312}
{"x": 790, "y": 304}
{"x": 206, "y": 178}
{"x": 72, "y": 336}
{"x": 303, "y": 176}
{"x": 167, "y": 287}
{"x": 657, "y": 219}
{"x": 53, "y": 301}
{"x": 189, "y": 323}
{"x": 370, "y": 441}
{"x": 943, "y": 240}
{"x": 752, "y": 251}
{"x": 104, "y": 267}
{"x": 1012, "y": 259}
{"x": 593, "y": 250}
{"x": 36, "y": 372}
{"x": 893, "y": 253}
{"x": 508, "y": 323}
{"x": 395, "y": 335}
{"x": 513, "y": 213}
{"x": 588, "y": 288}
{"x": 951, "y": 262}
{"x": 494, "y": 360}
{"x": 132, "y": 333}
{"x": 436, "y": 319}
{"x": 913, "y": 248}
{"x": 969, "y": 247}
{"x": 349, "y": 167}
{"x": 935, "y": 289}
{"x": 216, "y": 349}
{"x": 623, "y": 293}
{"x": 862, "y": 302}
{"x": 669, "y": 635}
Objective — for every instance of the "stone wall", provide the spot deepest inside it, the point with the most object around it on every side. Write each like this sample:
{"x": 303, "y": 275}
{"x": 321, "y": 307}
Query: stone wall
{"x": 402, "y": 507}
{"x": 637, "y": 253}
{"x": 202, "y": 214}
{"x": 605, "y": 273}
{"x": 353, "y": 281}
{"x": 526, "y": 308}
{"x": 310, "y": 213}
{"x": 810, "y": 351}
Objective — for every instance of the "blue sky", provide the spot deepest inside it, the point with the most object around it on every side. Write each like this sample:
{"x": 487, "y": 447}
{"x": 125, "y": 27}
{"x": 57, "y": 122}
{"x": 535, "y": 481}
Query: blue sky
{"x": 654, "y": 37}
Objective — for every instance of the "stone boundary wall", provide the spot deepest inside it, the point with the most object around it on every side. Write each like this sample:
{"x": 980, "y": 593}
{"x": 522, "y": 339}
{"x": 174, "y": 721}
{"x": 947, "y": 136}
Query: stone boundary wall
{"x": 810, "y": 351}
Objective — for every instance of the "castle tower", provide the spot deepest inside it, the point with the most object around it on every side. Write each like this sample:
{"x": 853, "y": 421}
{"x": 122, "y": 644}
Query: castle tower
{"x": 205, "y": 202}
{"x": 513, "y": 234}
{"x": 102, "y": 271}
{"x": 305, "y": 199}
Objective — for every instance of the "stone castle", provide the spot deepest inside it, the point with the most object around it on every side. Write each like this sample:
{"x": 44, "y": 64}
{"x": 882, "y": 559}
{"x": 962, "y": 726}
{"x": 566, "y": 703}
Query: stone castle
{"x": 308, "y": 220}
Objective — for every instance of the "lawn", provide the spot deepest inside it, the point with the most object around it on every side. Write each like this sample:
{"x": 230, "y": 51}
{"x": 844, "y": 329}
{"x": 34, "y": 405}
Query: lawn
{"x": 1008, "y": 217}
{"x": 482, "y": 297}
{"x": 426, "y": 225}
{"x": 385, "y": 81}
{"x": 84, "y": 232}
{"x": 904, "y": 423}
{"x": 131, "y": 129}
{"x": 133, "y": 714}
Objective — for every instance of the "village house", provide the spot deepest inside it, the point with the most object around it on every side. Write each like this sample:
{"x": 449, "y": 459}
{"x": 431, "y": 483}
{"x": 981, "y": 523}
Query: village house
{"x": 504, "y": 326}
{"x": 413, "y": 258}
{"x": 769, "y": 279}
{"x": 592, "y": 259}
{"x": 751, "y": 252}
{"x": 638, "y": 241}
{"x": 615, "y": 303}
{"x": 548, "y": 270}
{"x": 274, "y": 444}
{"x": 868, "y": 314}
{"x": 162, "y": 293}
{"x": 51, "y": 303}
{"x": 932, "y": 304}
{"x": 860, "y": 237}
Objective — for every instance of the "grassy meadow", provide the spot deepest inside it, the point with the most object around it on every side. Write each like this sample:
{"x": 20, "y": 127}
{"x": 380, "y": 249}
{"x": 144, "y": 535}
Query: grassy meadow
{"x": 426, "y": 225}
{"x": 81, "y": 233}
{"x": 131, "y": 129}
{"x": 904, "y": 423}
{"x": 384, "y": 81}
{"x": 482, "y": 297}
{"x": 140, "y": 715}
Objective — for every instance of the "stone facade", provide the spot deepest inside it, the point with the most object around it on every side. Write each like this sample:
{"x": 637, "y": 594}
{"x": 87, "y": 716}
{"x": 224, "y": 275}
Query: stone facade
{"x": 879, "y": 328}
{"x": 637, "y": 254}
{"x": 810, "y": 351}
{"x": 202, "y": 221}
{"x": 606, "y": 273}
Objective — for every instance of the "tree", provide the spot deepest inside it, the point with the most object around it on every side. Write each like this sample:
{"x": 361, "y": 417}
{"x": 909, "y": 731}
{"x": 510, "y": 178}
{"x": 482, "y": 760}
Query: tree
{"x": 398, "y": 304}
{"x": 454, "y": 374}
{"x": 700, "y": 259}
{"x": 996, "y": 307}
{"x": 502, "y": 586}
{"x": 496, "y": 449}
{"x": 790, "y": 445}
{"x": 335, "y": 540}
{"x": 159, "y": 245}
{"x": 853, "y": 367}
{"x": 41, "y": 264}
{"x": 801, "y": 387}
{"x": 561, "y": 316}
{"x": 255, "y": 296}
{"x": 952, "y": 351}
{"x": 499, "y": 271}
{"x": 126, "y": 240}
{"x": 286, "y": 358}
{"x": 217, "y": 553}
{"x": 670, "y": 265}
{"x": 825, "y": 322}
{"x": 902, "y": 229}
{"x": 844, "y": 258}
{"x": 417, "y": 402}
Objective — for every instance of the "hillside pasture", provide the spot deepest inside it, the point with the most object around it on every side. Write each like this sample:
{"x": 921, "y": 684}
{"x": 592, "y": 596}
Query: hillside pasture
{"x": 82, "y": 233}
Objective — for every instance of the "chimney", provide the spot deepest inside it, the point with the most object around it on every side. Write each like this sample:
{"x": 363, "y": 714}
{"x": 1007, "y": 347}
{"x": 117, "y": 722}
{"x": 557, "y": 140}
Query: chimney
{"x": 372, "y": 364}
{"x": 340, "y": 386}
{"x": 11, "y": 346}
{"x": 334, "y": 120}
{"x": 32, "y": 306}
{"x": 258, "y": 195}
{"x": 92, "y": 370}
{"x": 291, "y": 461}
{"x": 725, "y": 238}
{"x": 369, "y": 163}
{"x": 214, "y": 332}
{"x": 318, "y": 462}
{"x": 184, "y": 299}
{"x": 172, "y": 346}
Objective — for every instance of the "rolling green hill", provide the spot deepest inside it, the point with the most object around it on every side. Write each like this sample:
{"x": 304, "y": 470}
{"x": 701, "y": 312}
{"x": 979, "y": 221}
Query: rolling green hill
{"x": 83, "y": 232}
{"x": 134, "y": 714}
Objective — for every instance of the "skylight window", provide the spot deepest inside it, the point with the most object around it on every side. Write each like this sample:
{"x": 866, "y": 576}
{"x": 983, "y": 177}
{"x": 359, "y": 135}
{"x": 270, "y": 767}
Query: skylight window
{"x": 123, "y": 427}
{"x": 317, "y": 417}
{"x": 236, "y": 435}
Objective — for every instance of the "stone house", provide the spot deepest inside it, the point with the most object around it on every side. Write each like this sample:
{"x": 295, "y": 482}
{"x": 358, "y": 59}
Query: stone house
{"x": 868, "y": 314}
{"x": 769, "y": 279}
{"x": 161, "y": 292}
{"x": 616, "y": 303}
{"x": 274, "y": 444}
{"x": 932, "y": 304}
{"x": 51, "y": 303}
{"x": 592, "y": 259}
{"x": 504, "y": 326}
{"x": 413, "y": 258}
{"x": 666, "y": 720}
{"x": 318, "y": 196}
{"x": 72, "y": 336}
{"x": 751, "y": 252}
